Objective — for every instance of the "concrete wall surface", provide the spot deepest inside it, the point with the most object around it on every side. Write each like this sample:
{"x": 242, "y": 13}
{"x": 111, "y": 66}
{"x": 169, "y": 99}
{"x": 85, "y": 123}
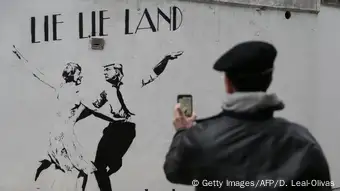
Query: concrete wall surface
{"x": 46, "y": 34}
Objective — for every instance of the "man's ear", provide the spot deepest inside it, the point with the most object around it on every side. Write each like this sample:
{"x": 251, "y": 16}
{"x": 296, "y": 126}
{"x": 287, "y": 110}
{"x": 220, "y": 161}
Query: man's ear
{"x": 228, "y": 85}
{"x": 120, "y": 75}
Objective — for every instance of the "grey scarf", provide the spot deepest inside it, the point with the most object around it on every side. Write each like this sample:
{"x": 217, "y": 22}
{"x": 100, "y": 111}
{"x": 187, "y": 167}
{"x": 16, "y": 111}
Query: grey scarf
{"x": 252, "y": 102}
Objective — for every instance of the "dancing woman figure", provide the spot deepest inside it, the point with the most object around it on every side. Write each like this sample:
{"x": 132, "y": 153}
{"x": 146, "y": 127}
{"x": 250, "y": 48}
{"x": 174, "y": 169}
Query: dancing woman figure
{"x": 64, "y": 149}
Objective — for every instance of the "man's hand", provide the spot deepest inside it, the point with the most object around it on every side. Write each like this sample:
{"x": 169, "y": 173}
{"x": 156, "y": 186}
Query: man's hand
{"x": 174, "y": 55}
{"x": 125, "y": 115}
{"x": 180, "y": 120}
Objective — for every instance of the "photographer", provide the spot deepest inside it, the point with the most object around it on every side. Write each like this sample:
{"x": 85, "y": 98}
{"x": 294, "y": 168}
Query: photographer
{"x": 245, "y": 142}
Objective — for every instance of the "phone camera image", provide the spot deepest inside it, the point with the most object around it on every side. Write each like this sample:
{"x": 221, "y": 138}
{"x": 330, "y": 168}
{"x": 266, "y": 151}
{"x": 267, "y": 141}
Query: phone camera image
{"x": 186, "y": 104}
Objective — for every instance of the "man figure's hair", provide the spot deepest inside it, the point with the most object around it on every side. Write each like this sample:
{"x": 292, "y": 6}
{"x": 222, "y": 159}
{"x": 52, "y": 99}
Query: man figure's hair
{"x": 118, "y": 67}
{"x": 69, "y": 71}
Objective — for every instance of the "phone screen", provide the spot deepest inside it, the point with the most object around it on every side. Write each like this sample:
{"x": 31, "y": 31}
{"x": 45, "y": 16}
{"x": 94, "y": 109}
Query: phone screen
{"x": 186, "y": 104}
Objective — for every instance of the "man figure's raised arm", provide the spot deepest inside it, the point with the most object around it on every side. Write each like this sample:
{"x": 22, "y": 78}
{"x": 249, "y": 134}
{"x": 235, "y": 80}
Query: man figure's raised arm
{"x": 160, "y": 67}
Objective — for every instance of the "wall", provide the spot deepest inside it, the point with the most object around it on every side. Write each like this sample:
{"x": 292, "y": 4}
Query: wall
{"x": 327, "y": 105}
{"x": 305, "y": 78}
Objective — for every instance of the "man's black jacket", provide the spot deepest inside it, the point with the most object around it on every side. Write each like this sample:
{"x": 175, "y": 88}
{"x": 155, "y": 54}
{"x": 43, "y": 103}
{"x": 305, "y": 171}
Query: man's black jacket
{"x": 247, "y": 152}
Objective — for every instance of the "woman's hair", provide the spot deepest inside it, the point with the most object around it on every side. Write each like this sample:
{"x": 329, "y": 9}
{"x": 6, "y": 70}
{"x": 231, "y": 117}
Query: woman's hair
{"x": 69, "y": 71}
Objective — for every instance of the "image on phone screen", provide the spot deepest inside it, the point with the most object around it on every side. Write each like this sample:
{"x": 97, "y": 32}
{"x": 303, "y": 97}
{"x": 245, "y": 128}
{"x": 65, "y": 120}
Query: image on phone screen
{"x": 186, "y": 104}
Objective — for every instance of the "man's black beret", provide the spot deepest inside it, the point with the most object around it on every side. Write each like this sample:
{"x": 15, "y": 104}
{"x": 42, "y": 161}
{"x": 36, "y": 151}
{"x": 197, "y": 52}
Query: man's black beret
{"x": 251, "y": 57}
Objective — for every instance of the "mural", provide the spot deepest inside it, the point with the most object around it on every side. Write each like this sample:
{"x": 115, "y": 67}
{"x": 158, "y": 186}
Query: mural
{"x": 65, "y": 153}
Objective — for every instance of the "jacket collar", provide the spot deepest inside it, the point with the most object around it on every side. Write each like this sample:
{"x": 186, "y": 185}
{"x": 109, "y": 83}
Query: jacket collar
{"x": 252, "y": 105}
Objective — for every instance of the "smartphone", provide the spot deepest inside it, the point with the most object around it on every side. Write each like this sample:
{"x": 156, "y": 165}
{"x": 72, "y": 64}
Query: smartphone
{"x": 186, "y": 104}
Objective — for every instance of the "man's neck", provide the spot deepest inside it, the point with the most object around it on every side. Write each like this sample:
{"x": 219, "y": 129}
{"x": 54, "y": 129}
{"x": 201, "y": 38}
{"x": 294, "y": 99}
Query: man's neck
{"x": 115, "y": 84}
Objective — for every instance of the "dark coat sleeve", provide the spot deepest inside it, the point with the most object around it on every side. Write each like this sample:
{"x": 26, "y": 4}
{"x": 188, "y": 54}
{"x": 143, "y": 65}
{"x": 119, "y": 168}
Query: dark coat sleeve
{"x": 316, "y": 170}
{"x": 179, "y": 166}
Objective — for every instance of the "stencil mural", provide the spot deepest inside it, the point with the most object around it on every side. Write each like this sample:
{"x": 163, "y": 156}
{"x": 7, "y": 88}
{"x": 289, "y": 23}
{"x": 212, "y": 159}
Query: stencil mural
{"x": 65, "y": 152}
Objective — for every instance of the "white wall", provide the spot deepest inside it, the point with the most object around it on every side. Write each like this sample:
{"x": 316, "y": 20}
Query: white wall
{"x": 305, "y": 78}
{"x": 327, "y": 112}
